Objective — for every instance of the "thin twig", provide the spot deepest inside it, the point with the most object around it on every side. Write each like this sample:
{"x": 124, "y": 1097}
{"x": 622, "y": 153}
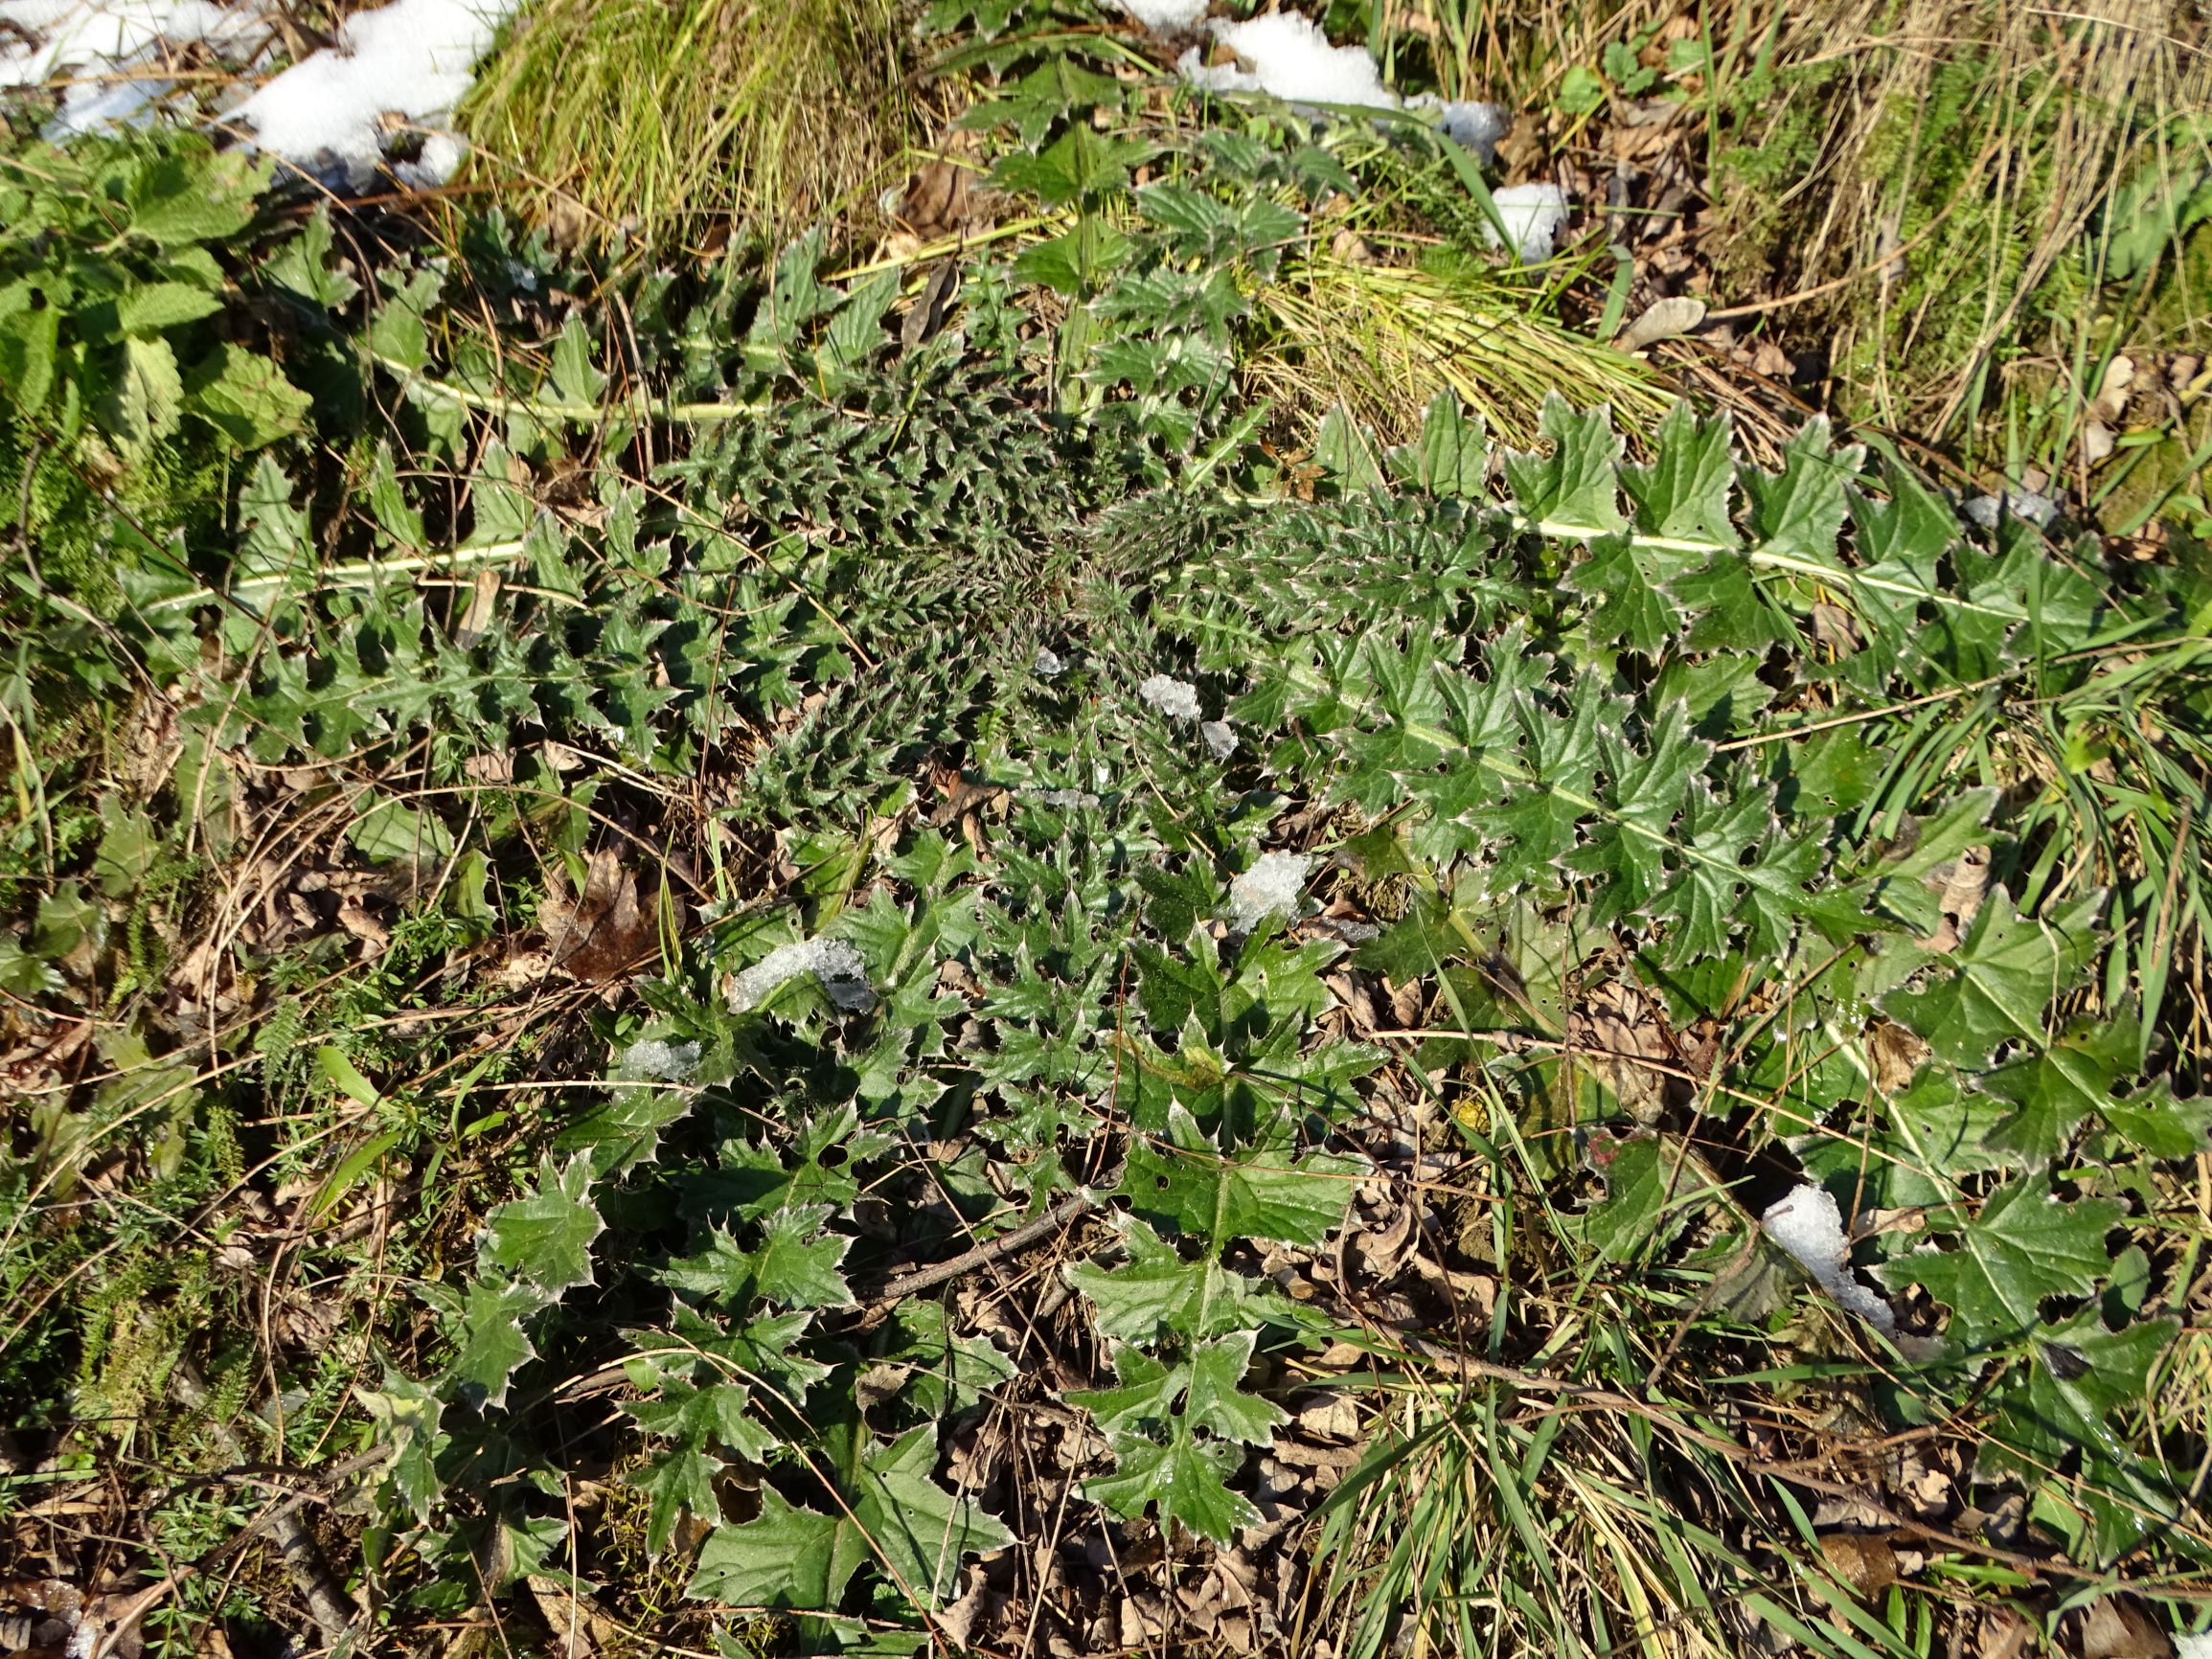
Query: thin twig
{"x": 1072, "y": 1208}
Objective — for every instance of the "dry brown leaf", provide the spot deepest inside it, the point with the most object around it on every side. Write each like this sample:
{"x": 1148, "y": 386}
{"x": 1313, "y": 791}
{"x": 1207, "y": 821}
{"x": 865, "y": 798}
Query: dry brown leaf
{"x": 1865, "y": 1562}
{"x": 2117, "y": 1627}
{"x": 1662, "y": 319}
{"x": 1616, "y": 1026}
{"x": 599, "y": 932}
{"x": 1897, "y": 1054}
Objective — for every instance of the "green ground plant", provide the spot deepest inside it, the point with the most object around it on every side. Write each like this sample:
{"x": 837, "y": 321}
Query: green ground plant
{"x": 841, "y": 768}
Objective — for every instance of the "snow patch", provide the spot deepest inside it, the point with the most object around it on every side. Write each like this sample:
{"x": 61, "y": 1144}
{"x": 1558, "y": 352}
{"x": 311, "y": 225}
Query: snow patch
{"x": 666, "y": 1061}
{"x": 1474, "y": 127}
{"x": 1808, "y": 1224}
{"x": 1220, "y": 740}
{"x": 1177, "y": 700}
{"x": 413, "y": 59}
{"x": 2197, "y": 1646}
{"x": 101, "y": 38}
{"x": 833, "y": 961}
{"x": 1165, "y": 16}
{"x": 1272, "y": 887}
{"x": 1533, "y": 214}
{"x": 1048, "y": 663}
{"x": 104, "y": 34}
{"x": 1291, "y": 58}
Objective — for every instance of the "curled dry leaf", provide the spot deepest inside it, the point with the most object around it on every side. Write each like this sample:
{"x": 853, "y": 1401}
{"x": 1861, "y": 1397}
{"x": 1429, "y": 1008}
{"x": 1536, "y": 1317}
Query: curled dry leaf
{"x": 1662, "y": 319}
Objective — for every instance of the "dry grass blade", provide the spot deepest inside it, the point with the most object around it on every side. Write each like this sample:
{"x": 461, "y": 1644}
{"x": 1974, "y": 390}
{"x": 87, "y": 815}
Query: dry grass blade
{"x": 1385, "y": 339}
{"x": 677, "y": 121}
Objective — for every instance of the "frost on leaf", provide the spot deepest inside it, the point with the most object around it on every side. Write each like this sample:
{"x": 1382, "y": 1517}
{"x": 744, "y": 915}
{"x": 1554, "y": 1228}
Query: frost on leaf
{"x": 832, "y": 961}
{"x": 1177, "y": 700}
{"x": 1808, "y": 1224}
{"x": 1271, "y": 887}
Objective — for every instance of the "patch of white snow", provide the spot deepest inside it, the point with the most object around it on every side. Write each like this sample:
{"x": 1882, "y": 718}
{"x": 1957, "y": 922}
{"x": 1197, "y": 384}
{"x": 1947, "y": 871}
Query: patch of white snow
{"x": 1808, "y": 1224}
{"x": 2197, "y": 1646}
{"x": 413, "y": 59}
{"x": 104, "y": 34}
{"x": 1165, "y": 16}
{"x": 834, "y": 962}
{"x": 651, "y": 1058}
{"x": 1533, "y": 214}
{"x": 1177, "y": 700}
{"x": 1220, "y": 740}
{"x": 1048, "y": 663}
{"x": 1272, "y": 887}
{"x": 1291, "y": 58}
{"x": 1474, "y": 127}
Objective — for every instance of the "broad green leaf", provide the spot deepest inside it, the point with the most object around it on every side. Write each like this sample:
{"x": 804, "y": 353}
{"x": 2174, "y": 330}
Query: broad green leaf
{"x": 407, "y": 1417}
{"x": 2026, "y": 1245}
{"x": 1343, "y": 451}
{"x": 1157, "y": 1293}
{"x": 149, "y": 400}
{"x": 190, "y": 197}
{"x": 1186, "y": 1476}
{"x": 676, "y": 1483}
{"x": 1573, "y": 488}
{"x": 785, "y": 1557}
{"x": 1997, "y": 985}
{"x": 1652, "y": 1191}
{"x": 29, "y": 337}
{"x": 922, "y": 1530}
{"x": 1452, "y": 457}
{"x": 394, "y": 832}
{"x": 797, "y": 1261}
{"x": 1683, "y": 494}
{"x": 546, "y": 1237}
{"x": 153, "y": 306}
{"x": 246, "y": 397}
{"x": 1247, "y": 1194}
{"x": 2054, "y": 1090}
{"x": 1799, "y": 512}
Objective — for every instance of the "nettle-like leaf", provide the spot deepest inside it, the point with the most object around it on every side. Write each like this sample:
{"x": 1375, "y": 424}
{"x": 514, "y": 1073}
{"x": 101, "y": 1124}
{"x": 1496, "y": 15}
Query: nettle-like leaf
{"x": 2025, "y": 1246}
{"x": 1246, "y": 1193}
{"x": 1173, "y": 1430}
{"x": 546, "y": 1237}
{"x": 790, "y": 1557}
{"x": 1684, "y": 495}
{"x": 1157, "y": 1294}
{"x": 2003, "y": 975}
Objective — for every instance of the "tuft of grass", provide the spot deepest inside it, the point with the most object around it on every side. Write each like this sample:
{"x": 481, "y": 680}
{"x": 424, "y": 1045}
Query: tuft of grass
{"x": 1384, "y": 338}
{"x": 680, "y": 124}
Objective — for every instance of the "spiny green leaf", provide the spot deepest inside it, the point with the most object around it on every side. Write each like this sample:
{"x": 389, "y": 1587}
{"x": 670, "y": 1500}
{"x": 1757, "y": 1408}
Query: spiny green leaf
{"x": 546, "y": 1237}
{"x": 1573, "y": 488}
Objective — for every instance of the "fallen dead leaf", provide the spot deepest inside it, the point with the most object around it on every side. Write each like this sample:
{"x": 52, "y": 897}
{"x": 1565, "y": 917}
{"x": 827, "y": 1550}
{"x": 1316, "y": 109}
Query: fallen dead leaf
{"x": 1897, "y": 1054}
{"x": 2117, "y": 1627}
{"x": 1662, "y": 319}
{"x": 1618, "y": 1024}
{"x": 598, "y": 933}
{"x": 1865, "y": 1562}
